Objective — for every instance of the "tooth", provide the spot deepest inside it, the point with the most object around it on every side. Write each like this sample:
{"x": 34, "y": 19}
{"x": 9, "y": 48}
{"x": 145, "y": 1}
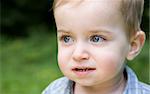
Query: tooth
{"x": 80, "y": 70}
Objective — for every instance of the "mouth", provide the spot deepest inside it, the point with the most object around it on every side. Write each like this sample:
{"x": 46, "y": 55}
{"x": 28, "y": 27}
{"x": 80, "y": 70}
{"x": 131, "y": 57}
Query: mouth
{"x": 83, "y": 71}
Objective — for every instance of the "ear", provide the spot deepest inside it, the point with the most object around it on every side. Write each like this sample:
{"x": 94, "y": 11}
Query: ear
{"x": 136, "y": 44}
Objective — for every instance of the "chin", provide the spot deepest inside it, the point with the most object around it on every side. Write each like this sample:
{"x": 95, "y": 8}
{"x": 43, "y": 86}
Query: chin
{"x": 86, "y": 83}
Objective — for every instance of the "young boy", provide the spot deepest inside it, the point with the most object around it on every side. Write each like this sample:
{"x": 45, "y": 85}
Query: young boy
{"x": 95, "y": 37}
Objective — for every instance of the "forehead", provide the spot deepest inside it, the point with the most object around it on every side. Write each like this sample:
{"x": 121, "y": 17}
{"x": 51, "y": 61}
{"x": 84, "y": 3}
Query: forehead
{"x": 58, "y": 3}
{"x": 88, "y": 13}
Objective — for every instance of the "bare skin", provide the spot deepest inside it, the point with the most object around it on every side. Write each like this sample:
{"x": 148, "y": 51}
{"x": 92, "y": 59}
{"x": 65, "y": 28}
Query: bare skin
{"x": 93, "y": 45}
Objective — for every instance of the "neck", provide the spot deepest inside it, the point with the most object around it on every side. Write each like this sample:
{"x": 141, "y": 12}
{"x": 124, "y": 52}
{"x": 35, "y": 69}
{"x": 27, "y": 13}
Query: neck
{"x": 114, "y": 86}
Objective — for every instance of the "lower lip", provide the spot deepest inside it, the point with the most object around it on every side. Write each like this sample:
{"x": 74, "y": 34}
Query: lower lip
{"x": 83, "y": 73}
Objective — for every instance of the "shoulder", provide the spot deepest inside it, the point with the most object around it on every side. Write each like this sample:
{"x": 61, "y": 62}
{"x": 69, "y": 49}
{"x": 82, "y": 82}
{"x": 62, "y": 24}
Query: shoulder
{"x": 144, "y": 87}
{"x": 57, "y": 86}
{"x": 59, "y": 82}
{"x": 134, "y": 86}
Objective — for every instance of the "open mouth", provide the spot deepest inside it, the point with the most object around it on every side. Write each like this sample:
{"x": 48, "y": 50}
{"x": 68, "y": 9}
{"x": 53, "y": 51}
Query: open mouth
{"x": 83, "y": 69}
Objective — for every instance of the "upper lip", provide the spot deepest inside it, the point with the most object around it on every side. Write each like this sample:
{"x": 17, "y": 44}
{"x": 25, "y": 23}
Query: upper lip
{"x": 83, "y": 67}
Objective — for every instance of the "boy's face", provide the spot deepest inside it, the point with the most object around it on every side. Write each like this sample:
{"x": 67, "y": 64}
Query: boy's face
{"x": 92, "y": 43}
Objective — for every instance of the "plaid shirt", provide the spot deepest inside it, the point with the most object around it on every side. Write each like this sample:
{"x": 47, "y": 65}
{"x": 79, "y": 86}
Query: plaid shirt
{"x": 65, "y": 86}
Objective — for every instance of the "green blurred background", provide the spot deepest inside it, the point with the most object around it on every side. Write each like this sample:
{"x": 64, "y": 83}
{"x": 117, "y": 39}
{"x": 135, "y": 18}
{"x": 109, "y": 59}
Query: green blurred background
{"x": 28, "y": 48}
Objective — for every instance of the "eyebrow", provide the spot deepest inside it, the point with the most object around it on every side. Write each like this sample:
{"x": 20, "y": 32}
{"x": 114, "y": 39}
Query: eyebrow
{"x": 100, "y": 31}
{"x": 63, "y": 31}
{"x": 94, "y": 31}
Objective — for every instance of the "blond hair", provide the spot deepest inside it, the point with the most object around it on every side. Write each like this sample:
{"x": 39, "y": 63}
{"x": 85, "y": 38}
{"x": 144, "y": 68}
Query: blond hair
{"x": 131, "y": 11}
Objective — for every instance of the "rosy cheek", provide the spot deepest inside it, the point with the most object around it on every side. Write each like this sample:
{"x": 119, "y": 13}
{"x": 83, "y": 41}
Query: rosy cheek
{"x": 61, "y": 64}
{"x": 109, "y": 62}
{"x": 63, "y": 58}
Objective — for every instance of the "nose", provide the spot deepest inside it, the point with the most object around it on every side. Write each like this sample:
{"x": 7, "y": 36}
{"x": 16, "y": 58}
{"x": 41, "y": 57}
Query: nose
{"x": 80, "y": 53}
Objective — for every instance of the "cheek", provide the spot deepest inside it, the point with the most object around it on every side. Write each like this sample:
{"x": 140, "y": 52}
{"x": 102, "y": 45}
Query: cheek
{"x": 112, "y": 57}
{"x": 63, "y": 58}
{"x": 61, "y": 62}
{"x": 110, "y": 62}
{"x": 113, "y": 60}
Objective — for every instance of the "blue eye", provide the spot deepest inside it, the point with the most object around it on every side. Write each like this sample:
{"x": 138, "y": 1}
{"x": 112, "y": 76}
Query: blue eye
{"x": 67, "y": 39}
{"x": 96, "y": 39}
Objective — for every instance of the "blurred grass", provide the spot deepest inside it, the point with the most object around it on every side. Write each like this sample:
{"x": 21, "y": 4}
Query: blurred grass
{"x": 29, "y": 65}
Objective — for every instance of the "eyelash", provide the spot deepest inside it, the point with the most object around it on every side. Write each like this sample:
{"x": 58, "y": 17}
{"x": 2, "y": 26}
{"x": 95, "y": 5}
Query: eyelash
{"x": 61, "y": 38}
{"x": 68, "y": 42}
{"x": 101, "y": 38}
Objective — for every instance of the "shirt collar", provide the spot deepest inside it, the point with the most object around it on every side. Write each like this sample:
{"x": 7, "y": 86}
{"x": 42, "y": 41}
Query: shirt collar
{"x": 132, "y": 86}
